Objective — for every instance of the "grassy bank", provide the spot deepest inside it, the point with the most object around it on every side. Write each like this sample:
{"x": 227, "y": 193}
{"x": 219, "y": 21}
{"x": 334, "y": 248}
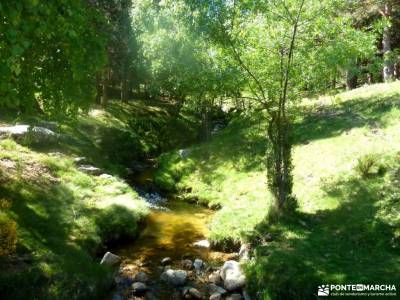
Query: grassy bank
{"x": 348, "y": 229}
{"x": 63, "y": 218}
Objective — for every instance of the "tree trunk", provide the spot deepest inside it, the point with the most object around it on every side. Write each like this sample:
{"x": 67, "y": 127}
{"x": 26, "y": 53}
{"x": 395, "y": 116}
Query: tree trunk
{"x": 124, "y": 90}
{"x": 388, "y": 67}
{"x": 106, "y": 79}
{"x": 396, "y": 72}
{"x": 124, "y": 83}
{"x": 351, "y": 80}
{"x": 98, "y": 87}
{"x": 205, "y": 118}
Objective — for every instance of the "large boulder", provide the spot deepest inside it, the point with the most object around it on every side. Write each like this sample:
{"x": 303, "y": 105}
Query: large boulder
{"x": 110, "y": 259}
{"x": 174, "y": 277}
{"x": 29, "y": 134}
{"x": 232, "y": 276}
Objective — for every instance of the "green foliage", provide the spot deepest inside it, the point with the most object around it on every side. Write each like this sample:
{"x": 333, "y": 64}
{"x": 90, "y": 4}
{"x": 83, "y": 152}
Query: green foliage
{"x": 369, "y": 165}
{"x": 8, "y": 235}
{"x": 51, "y": 52}
{"x": 117, "y": 223}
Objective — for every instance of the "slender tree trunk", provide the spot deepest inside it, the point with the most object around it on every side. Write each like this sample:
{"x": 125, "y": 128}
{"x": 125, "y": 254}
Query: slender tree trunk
{"x": 105, "y": 83}
{"x": 388, "y": 67}
{"x": 98, "y": 87}
{"x": 351, "y": 80}
{"x": 370, "y": 78}
{"x": 396, "y": 72}
{"x": 124, "y": 83}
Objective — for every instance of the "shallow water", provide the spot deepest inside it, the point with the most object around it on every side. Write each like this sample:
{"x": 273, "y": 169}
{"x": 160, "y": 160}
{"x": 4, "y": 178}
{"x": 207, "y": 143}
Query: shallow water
{"x": 170, "y": 234}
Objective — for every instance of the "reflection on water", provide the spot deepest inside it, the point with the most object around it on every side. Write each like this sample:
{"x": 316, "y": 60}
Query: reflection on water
{"x": 170, "y": 233}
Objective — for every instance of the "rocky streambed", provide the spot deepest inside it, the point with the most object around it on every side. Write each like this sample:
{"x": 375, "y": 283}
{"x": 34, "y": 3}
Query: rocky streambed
{"x": 171, "y": 259}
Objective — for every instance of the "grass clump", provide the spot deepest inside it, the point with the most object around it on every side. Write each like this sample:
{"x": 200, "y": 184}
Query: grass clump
{"x": 117, "y": 223}
{"x": 369, "y": 165}
{"x": 8, "y": 235}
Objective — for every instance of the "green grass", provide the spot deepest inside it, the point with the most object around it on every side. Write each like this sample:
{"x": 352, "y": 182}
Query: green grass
{"x": 64, "y": 218}
{"x": 124, "y": 132}
{"x": 349, "y": 228}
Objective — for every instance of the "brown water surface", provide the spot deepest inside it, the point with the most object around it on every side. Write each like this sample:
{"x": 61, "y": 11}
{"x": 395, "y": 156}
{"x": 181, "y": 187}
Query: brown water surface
{"x": 170, "y": 234}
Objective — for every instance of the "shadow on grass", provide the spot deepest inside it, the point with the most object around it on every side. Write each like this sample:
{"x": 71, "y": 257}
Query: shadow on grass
{"x": 243, "y": 143}
{"x": 347, "y": 245}
{"x": 334, "y": 120}
{"x": 59, "y": 267}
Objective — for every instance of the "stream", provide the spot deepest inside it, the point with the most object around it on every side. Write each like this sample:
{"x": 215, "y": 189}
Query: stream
{"x": 171, "y": 229}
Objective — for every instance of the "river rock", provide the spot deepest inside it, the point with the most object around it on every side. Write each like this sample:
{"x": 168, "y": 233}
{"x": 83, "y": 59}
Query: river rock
{"x": 232, "y": 275}
{"x": 117, "y": 296}
{"x": 123, "y": 282}
{"x": 174, "y": 277}
{"x": 150, "y": 296}
{"x": 184, "y": 153}
{"x": 139, "y": 288}
{"x": 215, "y": 278}
{"x": 198, "y": 264}
{"x": 216, "y": 296}
{"x": 202, "y": 244}
{"x": 213, "y": 288}
{"x": 110, "y": 259}
{"x": 166, "y": 261}
{"x": 244, "y": 252}
{"x": 35, "y": 134}
{"x": 235, "y": 296}
{"x": 88, "y": 169}
{"x": 80, "y": 160}
{"x": 187, "y": 264}
{"x": 191, "y": 293}
{"x": 246, "y": 295}
{"x": 142, "y": 277}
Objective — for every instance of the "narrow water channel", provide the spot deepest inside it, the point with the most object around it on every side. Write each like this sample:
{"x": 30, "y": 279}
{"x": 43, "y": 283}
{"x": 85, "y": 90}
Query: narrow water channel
{"x": 168, "y": 232}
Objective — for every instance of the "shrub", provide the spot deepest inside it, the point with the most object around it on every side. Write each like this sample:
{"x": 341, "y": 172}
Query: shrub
{"x": 369, "y": 165}
{"x": 116, "y": 223}
{"x": 8, "y": 235}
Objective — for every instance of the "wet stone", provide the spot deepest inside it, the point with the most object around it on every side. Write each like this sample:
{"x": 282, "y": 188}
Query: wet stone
{"x": 139, "y": 288}
{"x": 235, "y": 296}
{"x": 166, "y": 261}
{"x": 142, "y": 277}
{"x": 215, "y": 296}
{"x": 187, "y": 264}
